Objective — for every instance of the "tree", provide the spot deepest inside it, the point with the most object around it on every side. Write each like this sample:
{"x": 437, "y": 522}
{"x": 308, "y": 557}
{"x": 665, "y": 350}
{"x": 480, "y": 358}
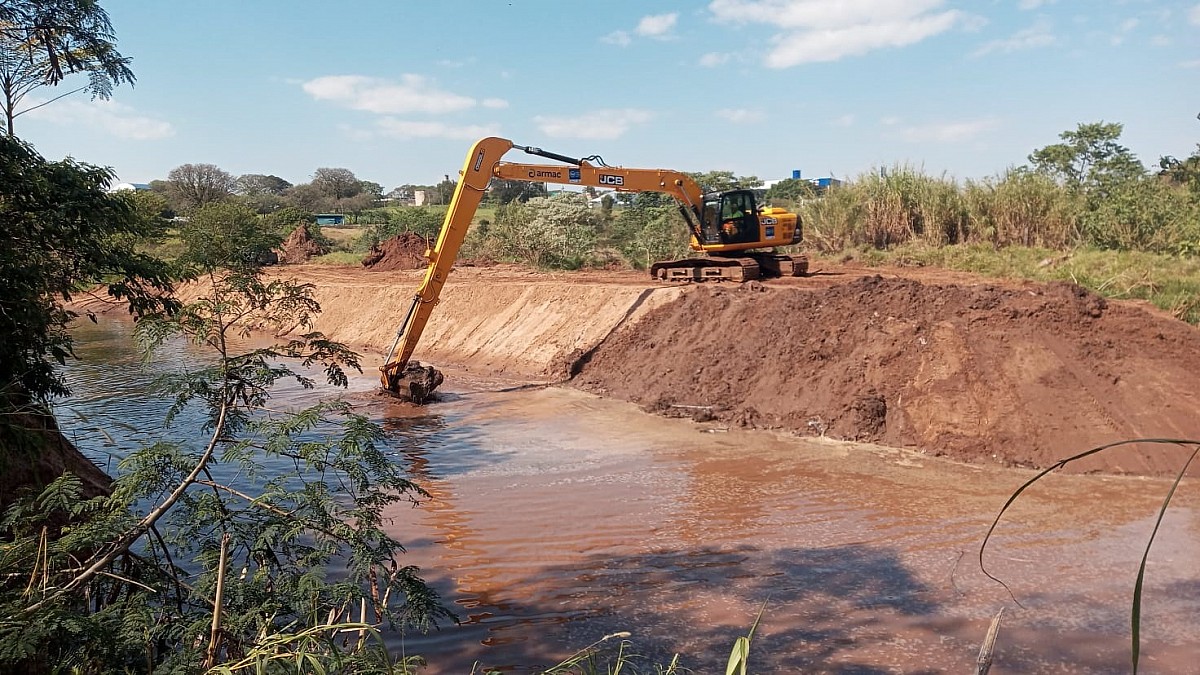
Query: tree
{"x": 554, "y": 231}
{"x": 720, "y": 181}
{"x": 791, "y": 189}
{"x": 309, "y": 197}
{"x": 23, "y": 71}
{"x": 1184, "y": 172}
{"x": 651, "y": 229}
{"x": 257, "y": 185}
{"x": 443, "y": 192}
{"x": 258, "y": 552}
{"x": 371, "y": 189}
{"x": 262, "y": 193}
{"x": 62, "y": 30}
{"x": 336, "y": 183}
{"x": 193, "y": 185}
{"x": 1089, "y": 158}
{"x": 62, "y": 232}
{"x": 226, "y": 235}
{"x": 505, "y": 191}
{"x": 284, "y": 220}
{"x": 416, "y": 219}
{"x": 42, "y": 41}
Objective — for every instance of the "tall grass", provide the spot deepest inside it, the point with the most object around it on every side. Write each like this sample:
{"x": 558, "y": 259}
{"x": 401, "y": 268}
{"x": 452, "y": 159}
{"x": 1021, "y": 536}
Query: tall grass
{"x": 886, "y": 209}
{"x": 902, "y": 205}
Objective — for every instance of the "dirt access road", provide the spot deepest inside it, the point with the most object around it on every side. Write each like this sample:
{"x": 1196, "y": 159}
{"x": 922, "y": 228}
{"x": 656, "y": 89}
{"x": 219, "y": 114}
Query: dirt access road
{"x": 940, "y": 362}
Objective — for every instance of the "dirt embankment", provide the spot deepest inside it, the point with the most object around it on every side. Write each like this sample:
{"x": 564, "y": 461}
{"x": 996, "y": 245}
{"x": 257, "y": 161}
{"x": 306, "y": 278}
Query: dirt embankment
{"x": 1026, "y": 375}
{"x": 950, "y": 364}
{"x": 37, "y": 453}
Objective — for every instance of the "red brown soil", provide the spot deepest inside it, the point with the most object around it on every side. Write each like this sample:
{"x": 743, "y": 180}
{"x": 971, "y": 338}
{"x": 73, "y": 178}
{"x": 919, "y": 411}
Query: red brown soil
{"x": 299, "y": 247}
{"x": 1023, "y": 374}
{"x": 37, "y": 453}
{"x": 402, "y": 252}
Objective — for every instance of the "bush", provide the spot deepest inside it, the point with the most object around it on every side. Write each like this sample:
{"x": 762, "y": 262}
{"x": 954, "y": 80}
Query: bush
{"x": 417, "y": 219}
{"x": 1144, "y": 215}
{"x": 646, "y": 234}
{"x": 546, "y": 232}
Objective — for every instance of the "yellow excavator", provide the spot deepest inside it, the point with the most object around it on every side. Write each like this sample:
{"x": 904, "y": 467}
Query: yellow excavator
{"x": 728, "y": 227}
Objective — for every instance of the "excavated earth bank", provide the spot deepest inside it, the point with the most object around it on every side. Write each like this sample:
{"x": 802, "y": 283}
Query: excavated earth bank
{"x": 1023, "y": 376}
{"x": 944, "y": 363}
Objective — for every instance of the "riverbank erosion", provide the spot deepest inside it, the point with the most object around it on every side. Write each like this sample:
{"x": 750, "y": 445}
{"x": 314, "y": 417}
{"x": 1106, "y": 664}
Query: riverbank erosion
{"x": 946, "y": 364}
{"x": 36, "y": 453}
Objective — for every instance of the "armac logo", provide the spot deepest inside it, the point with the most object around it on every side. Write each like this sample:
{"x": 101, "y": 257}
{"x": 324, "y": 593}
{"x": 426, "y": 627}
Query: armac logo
{"x": 609, "y": 179}
{"x": 538, "y": 173}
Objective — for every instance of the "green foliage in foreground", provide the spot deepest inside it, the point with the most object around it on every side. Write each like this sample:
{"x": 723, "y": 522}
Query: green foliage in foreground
{"x": 178, "y": 570}
{"x": 62, "y": 233}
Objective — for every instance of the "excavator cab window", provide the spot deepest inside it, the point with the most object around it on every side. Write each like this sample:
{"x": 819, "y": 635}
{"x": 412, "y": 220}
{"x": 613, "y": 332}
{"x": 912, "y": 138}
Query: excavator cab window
{"x": 739, "y": 217}
{"x": 712, "y": 220}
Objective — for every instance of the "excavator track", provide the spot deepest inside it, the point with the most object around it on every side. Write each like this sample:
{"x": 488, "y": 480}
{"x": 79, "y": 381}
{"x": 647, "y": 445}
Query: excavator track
{"x": 746, "y": 267}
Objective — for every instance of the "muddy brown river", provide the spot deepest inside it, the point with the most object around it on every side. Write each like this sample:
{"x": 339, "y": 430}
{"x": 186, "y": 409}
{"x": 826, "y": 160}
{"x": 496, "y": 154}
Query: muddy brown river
{"x": 556, "y": 518}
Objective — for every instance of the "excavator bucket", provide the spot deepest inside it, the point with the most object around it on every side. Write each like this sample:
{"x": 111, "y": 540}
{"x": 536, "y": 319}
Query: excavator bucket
{"x": 415, "y": 384}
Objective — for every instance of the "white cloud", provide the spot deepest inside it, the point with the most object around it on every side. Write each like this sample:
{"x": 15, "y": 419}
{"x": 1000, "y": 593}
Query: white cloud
{"x": 1027, "y": 5}
{"x": 1037, "y": 35}
{"x": 617, "y": 37}
{"x": 404, "y": 129}
{"x": 818, "y": 30}
{"x": 1190, "y": 64}
{"x": 843, "y": 121}
{"x": 495, "y": 103}
{"x": 412, "y": 94}
{"x": 656, "y": 25}
{"x": 714, "y": 59}
{"x": 741, "y": 115}
{"x": 114, "y": 118}
{"x": 948, "y": 132}
{"x": 1194, "y": 15}
{"x": 597, "y": 125}
{"x": 1160, "y": 41}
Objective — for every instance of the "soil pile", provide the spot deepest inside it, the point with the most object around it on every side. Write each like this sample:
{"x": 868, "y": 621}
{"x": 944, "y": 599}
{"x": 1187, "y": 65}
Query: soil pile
{"x": 1024, "y": 376}
{"x": 404, "y": 251}
{"x": 299, "y": 247}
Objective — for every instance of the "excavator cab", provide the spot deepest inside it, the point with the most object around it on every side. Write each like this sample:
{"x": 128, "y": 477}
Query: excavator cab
{"x": 730, "y": 218}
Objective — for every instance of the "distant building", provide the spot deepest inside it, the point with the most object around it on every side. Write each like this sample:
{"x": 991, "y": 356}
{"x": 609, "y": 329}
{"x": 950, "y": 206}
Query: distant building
{"x": 400, "y": 195}
{"x": 821, "y": 184}
{"x": 420, "y": 197}
{"x": 330, "y": 219}
{"x": 129, "y": 187}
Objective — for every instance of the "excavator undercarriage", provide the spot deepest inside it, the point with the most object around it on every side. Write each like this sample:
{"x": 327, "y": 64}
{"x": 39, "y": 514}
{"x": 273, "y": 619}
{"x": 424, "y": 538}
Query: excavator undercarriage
{"x": 746, "y": 266}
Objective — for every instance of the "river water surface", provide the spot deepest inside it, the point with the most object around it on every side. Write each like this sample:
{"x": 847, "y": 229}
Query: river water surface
{"x": 556, "y": 518}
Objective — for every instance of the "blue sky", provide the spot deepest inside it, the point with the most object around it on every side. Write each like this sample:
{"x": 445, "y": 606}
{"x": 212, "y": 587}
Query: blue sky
{"x": 396, "y": 91}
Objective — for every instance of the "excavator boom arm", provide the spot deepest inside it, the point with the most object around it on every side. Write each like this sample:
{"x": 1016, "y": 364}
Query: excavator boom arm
{"x": 472, "y": 183}
{"x": 483, "y": 163}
